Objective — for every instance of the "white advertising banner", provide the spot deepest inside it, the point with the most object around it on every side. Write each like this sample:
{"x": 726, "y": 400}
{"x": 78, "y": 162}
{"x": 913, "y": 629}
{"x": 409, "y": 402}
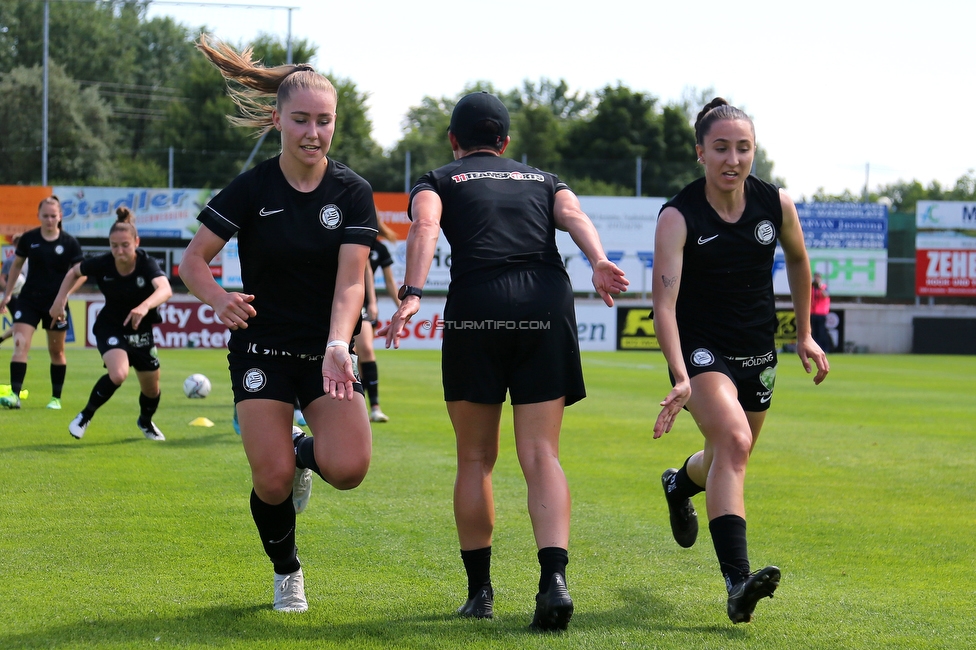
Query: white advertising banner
{"x": 626, "y": 226}
{"x": 595, "y": 322}
{"x": 945, "y": 248}
{"x": 169, "y": 213}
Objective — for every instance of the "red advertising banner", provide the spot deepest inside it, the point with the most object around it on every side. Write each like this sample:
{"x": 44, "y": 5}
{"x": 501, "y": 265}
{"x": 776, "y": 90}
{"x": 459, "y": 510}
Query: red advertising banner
{"x": 945, "y": 272}
{"x": 185, "y": 325}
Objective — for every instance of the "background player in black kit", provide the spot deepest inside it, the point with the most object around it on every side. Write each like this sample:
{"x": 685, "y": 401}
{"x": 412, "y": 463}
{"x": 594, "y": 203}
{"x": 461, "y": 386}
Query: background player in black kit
{"x": 133, "y": 286}
{"x": 379, "y": 258}
{"x": 500, "y": 218}
{"x": 51, "y": 253}
{"x": 304, "y": 225}
{"x": 715, "y": 318}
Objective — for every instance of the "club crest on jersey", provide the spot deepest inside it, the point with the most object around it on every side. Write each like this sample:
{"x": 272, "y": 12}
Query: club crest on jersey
{"x": 330, "y": 216}
{"x": 59, "y": 249}
{"x": 254, "y": 380}
{"x": 701, "y": 358}
{"x": 765, "y": 232}
{"x": 140, "y": 282}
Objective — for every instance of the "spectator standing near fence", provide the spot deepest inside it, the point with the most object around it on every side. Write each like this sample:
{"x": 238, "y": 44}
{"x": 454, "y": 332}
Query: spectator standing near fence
{"x": 819, "y": 309}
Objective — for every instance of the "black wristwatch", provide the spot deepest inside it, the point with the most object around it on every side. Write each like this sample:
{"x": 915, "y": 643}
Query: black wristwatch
{"x": 407, "y": 290}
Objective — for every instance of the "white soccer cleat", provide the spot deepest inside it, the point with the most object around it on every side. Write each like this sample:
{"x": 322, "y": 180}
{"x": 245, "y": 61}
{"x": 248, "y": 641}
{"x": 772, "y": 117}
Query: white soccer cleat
{"x": 78, "y": 426}
{"x": 151, "y": 432}
{"x": 301, "y": 487}
{"x": 376, "y": 415}
{"x": 289, "y": 592}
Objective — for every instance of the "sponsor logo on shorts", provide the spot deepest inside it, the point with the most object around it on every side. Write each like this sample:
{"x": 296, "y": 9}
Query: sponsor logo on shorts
{"x": 254, "y": 380}
{"x": 140, "y": 282}
{"x": 701, "y": 358}
{"x": 765, "y": 232}
{"x": 752, "y": 362}
{"x": 59, "y": 249}
{"x": 17, "y": 314}
{"x": 143, "y": 340}
{"x": 112, "y": 340}
{"x": 330, "y": 216}
{"x": 768, "y": 379}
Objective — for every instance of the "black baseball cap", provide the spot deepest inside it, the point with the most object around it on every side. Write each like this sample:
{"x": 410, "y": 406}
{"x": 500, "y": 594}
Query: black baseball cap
{"x": 474, "y": 109}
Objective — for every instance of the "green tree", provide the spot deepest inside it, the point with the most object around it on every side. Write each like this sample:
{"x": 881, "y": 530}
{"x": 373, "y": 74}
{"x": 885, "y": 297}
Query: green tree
{"x": 80, "y": 140}
{"x": 627, "y": 125}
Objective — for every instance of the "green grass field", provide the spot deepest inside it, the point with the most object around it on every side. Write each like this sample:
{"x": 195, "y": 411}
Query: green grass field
{"x": 861, "y": 490}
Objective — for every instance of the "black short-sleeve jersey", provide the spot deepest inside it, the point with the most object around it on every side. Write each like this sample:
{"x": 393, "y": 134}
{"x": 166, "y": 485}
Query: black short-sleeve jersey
{"x": 726, "y": 293}
{"x": 49, "y": 262}
{"x": 288, "y": 244}
{"x": 379, "y": 256}
{"x": 123, "y": 292}
{"x": 496, "y": 213}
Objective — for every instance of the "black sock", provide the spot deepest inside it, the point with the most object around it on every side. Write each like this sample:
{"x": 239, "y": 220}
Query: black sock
{"x": 371, "y": 381}
{"x": 18, "y": 370}
{"x": 101, "y": 393}
{"x": 147, "y": 407}
{"x": 552, "y": 559}
{"x": 276, "y": 525}
{"x": 477, "y": 564}
{"x": 729, "y": 537}
{"x": 57, "y": 379}
{"x": 682, "y": 487}
{"x": 305, "y": 455}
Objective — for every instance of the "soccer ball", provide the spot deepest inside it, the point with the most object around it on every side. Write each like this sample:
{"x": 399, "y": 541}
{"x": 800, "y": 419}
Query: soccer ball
{"x": 196, "y": 386}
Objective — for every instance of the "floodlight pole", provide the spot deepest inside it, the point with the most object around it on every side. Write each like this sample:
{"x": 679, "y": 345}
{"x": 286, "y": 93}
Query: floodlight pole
{"x": 44, "y": 98}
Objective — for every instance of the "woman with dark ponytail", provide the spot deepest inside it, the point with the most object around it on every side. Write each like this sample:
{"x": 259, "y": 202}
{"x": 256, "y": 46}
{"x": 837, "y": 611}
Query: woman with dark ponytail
{"x": 304, "y": 225}
{"x": 133, "y": 286}
{"x": 715, "y": 317}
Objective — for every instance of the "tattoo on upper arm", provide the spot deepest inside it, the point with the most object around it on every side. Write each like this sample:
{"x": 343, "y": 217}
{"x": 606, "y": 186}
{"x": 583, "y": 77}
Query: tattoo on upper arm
{"x": 669, "y": 282}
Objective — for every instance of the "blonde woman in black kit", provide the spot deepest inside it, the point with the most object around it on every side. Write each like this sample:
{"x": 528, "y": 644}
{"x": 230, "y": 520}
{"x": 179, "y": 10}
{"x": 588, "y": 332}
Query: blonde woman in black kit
{"x": 51, "y": 252}
{"x": 133, "y": 286}
{"x": 304, "y": 225}
{"x": 715, "y": 317}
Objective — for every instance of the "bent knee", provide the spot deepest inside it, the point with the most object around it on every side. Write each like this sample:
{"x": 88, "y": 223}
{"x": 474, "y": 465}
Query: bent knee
{"x": 118, "y": 377}
{"x": 347, "y": 477}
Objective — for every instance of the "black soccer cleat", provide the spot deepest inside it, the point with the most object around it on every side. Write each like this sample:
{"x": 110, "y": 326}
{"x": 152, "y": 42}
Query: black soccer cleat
{"x": 744, "y": 596}
{"x": 481, "y": 606}
{"x": 554, "y": 608}
{"x": 684, "y": 519}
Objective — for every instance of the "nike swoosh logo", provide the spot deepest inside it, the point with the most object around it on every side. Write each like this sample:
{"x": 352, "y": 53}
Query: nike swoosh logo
{"x": 763, "y": 400}
{"x": 34, "y": 245}
{"x": 703, "y": 240}
{"x": 264, "y": 212}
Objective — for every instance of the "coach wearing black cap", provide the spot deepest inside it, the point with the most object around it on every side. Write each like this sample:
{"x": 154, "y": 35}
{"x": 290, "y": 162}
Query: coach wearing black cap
{"x": 509, "y": 326}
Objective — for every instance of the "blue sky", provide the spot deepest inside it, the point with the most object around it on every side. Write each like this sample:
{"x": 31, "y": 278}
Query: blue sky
{"x": 832, "y": 86}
